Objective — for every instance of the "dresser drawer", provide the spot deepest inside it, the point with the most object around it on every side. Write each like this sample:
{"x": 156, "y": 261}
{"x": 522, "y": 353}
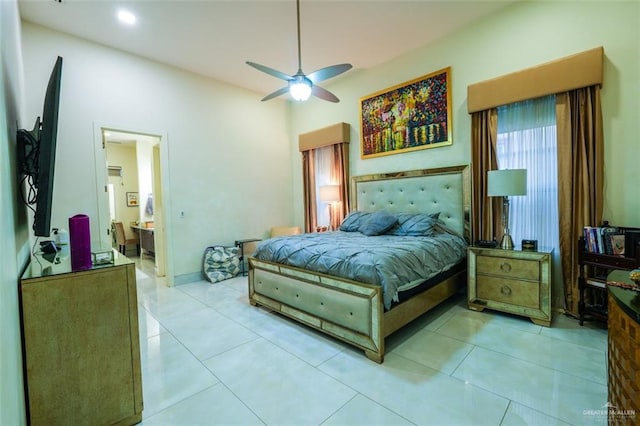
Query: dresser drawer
{"x": 508, "y": 268}
{"x": 521, "y": 293}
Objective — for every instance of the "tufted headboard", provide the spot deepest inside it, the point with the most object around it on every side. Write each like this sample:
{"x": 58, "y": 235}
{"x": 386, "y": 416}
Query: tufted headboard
{"x": 446, "y": 190}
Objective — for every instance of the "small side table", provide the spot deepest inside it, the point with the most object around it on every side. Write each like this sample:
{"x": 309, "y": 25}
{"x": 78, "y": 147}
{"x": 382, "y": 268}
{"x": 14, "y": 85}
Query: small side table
{"x": 513, "y": 281}
{"x": 245, "y": 247}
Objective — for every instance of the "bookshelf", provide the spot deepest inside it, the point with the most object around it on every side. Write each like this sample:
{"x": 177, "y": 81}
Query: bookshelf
{"x": 592, "y": 279}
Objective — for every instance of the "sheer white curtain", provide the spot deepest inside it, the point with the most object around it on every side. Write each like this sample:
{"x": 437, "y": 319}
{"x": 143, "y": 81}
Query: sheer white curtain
{"x": 324, "y": 171}
{"x": 527, "y": 140}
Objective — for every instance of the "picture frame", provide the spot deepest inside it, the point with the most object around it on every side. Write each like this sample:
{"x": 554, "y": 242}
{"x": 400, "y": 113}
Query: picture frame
{"x": 410, "y": 116}
{"x": 132, "y": 199}
{"x": 617, "y": 244}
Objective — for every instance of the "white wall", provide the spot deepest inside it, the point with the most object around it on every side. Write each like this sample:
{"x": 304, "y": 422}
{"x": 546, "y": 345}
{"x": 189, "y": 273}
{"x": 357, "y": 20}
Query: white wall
{"x": 228, "y": 153}
{"x": 14, "y": 244}
{"x": 521, "y": 36}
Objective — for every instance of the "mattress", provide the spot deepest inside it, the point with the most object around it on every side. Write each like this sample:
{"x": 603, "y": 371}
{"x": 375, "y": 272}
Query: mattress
{"x": 390, "y": 261}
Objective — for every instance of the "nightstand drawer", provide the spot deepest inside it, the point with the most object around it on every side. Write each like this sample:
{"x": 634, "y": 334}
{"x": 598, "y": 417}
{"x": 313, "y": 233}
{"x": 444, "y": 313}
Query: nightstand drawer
{"x": 509, "y": 268}
{"x": 521, "y": 293}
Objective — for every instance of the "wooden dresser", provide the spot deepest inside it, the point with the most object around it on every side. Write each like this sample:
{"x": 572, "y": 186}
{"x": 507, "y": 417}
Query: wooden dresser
{"x": 81, "y": 343}
{"x": 624, "y": 353}
{"x": 513, "y": 281}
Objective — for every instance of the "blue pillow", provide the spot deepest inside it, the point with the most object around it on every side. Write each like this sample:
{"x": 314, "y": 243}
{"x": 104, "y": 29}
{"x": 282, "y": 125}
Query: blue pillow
{"x": 378, "y": 223}
{"x": 416, "y": 225}
{"x": 353, "y": 221}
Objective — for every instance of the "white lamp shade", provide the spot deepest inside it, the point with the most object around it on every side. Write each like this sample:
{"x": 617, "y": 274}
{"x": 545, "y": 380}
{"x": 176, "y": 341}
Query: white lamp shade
{"x": 507, "y": 182}
{"x": 330, "y": 193}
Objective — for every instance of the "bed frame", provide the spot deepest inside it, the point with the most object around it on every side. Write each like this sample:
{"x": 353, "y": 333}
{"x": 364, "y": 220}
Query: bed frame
{"x": 353, "y": 311}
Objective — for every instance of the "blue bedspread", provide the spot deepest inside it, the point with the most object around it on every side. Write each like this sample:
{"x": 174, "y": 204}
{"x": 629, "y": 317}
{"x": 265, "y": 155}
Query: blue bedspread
{"x": 386, "y": 260}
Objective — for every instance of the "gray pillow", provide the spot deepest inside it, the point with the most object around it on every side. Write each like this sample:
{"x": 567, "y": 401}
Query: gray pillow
{"x": 378, "y": 223}
{"x": 353, "y": 221}
{"x": 416, "y": 225}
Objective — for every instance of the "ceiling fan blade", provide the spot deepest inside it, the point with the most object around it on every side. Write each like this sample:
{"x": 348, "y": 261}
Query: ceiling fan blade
{"x": 328, "y": 72}
{"x": 276, "y": 93}
{"x": 321, "y": 93}
{"x": 270, "y": 71}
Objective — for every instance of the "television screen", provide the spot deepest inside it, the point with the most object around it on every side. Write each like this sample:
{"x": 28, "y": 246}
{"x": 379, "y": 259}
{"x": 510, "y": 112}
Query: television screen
{"x": 37, "y": 155}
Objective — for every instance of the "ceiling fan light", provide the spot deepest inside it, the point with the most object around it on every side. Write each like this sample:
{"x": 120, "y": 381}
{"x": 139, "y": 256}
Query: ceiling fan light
{"x": 300, "y": 89}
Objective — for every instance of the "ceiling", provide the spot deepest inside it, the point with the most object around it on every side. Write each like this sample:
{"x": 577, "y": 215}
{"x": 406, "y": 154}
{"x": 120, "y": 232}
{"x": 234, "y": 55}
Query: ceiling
{"x": 215, "y": 37}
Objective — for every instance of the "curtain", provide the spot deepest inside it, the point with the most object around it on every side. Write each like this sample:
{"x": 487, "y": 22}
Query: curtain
{"x": 580, "y": 177}
{"x": 325, "y": 166}
{"x": 486, "y": 211}
{"x": 527, "y": 140}
{"x": 309, "y": 190}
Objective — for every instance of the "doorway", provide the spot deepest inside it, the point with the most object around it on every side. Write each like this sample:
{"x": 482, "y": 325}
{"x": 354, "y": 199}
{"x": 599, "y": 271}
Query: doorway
{"x": 132, "y": 163}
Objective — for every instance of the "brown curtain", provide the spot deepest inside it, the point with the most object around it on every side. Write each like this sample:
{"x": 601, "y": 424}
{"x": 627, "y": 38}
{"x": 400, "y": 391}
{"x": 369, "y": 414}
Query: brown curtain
{"x": 486, "y": 211}
{"x": 340, "y": 174}
{"x": 309, "y": 190}
{"x": 580, "y": 177}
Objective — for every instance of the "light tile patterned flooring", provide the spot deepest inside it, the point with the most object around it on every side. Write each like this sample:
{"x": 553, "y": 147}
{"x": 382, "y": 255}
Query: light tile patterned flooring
{"x": 210, "y": 358}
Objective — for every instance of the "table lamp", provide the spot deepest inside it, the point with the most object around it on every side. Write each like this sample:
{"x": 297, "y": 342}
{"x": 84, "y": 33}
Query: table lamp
{"x": 330, "y": 194}
{"x": 505, "y": 183}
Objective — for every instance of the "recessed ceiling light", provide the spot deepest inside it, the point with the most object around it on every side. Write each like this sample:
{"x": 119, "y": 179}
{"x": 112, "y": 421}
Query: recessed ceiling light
{"x": 126, "y": 17}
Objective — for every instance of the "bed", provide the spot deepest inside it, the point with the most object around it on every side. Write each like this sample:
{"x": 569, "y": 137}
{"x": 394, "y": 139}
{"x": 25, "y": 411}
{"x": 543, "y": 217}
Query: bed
{"x": 354, "y": 310}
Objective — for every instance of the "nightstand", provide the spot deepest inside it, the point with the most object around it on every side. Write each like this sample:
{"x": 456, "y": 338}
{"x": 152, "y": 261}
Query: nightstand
{"x": 246, "y": 247}
{"x": 513, "y": 281}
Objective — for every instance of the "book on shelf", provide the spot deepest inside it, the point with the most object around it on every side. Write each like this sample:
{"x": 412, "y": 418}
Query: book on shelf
{"x": 591, "y": 234}
{"x": 597, "y": 283}
{"x": 604, "y": 239}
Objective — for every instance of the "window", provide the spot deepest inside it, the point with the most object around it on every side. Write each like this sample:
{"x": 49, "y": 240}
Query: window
{"x": 324, "y": 172}
{"x": 527, "y": 140}
{"x": 325, "y": 161}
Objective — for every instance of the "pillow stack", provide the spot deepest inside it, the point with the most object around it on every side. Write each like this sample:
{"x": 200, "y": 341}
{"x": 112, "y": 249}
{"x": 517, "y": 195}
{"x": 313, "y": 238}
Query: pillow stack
{"x": 400, "y": 224}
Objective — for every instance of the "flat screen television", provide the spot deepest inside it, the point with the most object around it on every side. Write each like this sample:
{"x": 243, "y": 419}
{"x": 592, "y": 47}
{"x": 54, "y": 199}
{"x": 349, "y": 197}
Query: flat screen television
{"x": 37, "y": 156}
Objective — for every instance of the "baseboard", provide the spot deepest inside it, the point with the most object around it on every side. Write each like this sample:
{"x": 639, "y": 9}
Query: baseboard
{"x": 188, "y": 278}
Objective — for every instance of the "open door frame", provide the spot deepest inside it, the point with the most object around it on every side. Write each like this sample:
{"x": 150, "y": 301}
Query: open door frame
{"x": 161, "y": 164}
{"x": 159, "y": 211}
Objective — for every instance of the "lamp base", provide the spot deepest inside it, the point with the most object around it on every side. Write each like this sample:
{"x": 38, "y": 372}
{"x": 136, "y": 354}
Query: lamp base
{"x": 507, "y": 242}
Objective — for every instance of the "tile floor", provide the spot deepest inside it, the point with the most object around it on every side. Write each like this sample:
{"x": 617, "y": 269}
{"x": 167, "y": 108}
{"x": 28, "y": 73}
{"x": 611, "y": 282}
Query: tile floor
{"x": 210, "y": 358}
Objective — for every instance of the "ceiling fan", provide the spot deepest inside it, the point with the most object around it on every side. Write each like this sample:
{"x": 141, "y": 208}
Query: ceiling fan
{"x": 302, "y": 86}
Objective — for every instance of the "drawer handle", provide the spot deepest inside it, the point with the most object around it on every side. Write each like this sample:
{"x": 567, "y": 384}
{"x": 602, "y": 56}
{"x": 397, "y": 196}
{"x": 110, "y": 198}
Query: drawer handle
{"x": 505, "y": 290}
{"x": 505, "y": 267}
